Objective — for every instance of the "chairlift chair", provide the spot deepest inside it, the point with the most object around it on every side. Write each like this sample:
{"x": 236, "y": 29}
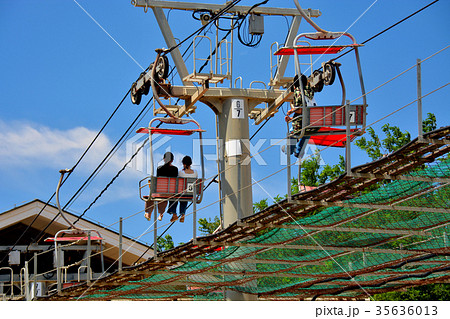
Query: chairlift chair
{"x": 319, "y": 122}
{"x": 76, "y": 235}
{"x": 175, "y": 188}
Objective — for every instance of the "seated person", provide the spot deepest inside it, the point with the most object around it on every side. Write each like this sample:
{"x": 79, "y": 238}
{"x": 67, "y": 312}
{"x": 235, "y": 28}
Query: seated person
{"x": 186, "y": 172}
{"x": 166, "y": 170}
{"x": 297, "y": 147}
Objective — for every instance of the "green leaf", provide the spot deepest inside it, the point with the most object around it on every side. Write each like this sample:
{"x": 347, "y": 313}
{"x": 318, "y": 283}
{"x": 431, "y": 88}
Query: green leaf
{"x": 207, "y": 227}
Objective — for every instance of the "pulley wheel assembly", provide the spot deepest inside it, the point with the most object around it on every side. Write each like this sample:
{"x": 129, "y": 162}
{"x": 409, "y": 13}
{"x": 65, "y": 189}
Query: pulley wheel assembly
{"x": 329, "y": 73}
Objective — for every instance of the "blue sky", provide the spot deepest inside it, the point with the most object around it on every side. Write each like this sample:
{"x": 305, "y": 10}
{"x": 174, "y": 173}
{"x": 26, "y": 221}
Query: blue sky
{"x": 62, "y": 76}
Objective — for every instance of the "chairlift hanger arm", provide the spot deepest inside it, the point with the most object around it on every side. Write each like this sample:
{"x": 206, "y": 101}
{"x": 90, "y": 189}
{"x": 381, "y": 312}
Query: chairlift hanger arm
{"x": 307, "y": 18}
{"x": 62, "y": 172}
{"x": 177, "y": 5}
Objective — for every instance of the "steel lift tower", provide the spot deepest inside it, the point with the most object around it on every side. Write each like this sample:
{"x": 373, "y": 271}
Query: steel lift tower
{"x": 233, "y": 106}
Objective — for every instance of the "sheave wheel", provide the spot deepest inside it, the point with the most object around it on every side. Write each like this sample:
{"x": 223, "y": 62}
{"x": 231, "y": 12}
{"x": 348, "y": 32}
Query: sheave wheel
{"x": 329, "y": 73}
{"x": 162, "y": 68}
{"x": 146, "y": 87}
{"x": 319, "y": 86}
{"x": 135, "y": 95}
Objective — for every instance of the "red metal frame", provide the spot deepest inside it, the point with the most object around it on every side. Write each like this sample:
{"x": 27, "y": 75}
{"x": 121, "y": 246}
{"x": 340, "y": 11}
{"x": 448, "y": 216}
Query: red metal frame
{"x": 52, "y": 239}
{"x": 157, "y": 130}
{"x": 336, "y": 137}
{"x": 306, "y": 50}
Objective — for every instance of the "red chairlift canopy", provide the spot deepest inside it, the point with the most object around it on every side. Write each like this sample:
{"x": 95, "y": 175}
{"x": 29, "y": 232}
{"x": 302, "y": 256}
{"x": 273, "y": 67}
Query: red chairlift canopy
{"x": 166, "y": 131}
{"x": 52, "y": 239}
{"x": 321, "y": 49}
{"x": 334, "y": 139}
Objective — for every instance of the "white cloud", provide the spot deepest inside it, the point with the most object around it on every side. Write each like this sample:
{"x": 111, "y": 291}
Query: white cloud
{"x": 29, "y": 149}
{"x": 29, "y": 145}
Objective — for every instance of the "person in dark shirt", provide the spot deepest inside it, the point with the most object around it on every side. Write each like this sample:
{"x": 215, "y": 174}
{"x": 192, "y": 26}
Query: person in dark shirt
{"x": 166, "y": 170}
{"x": 298, "y": 146}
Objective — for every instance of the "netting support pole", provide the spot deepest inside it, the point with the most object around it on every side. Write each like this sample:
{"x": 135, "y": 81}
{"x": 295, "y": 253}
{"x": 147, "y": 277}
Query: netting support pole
{"x": 288, "y": 163}
{"x": 58, "y": 267}
{"x": 220, "y": 170}
{"x": 27, "y": 283}
{"x": 89, "y": 250}
{"x": 35, "y": 276}
{"x": 120, "y": 243}
{"x": 155, "y": 229}
{"x": 194, "y": 214}
{"x": 299, "y": 176}
{"x": 348, "y": 163}
{"x": 419, "y": 99}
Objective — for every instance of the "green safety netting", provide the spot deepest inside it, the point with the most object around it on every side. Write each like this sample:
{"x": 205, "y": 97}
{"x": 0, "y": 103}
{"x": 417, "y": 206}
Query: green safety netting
{"x": 396, "y": 235}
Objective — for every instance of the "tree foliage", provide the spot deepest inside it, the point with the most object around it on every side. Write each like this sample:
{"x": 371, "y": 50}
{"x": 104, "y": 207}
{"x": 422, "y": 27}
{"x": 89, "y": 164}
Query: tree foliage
{"x": 259, "y": 206}
{"x": 393, "y": 140}
{"x": 429, "y": 124}
{"x": 376, "y": 148}
{"x": 208, "y": 226}
{"x": 165, "y": 243}
{"x": 312, "y": 174}
{"x": 436, "y": 292}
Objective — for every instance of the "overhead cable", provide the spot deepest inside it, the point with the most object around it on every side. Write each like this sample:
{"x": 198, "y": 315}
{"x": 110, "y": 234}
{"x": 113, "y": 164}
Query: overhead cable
{"x": 364, "y": 42}
{"x": 67, "y": 176}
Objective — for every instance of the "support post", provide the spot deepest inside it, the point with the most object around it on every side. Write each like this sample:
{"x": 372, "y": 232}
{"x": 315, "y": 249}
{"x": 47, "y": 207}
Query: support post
{"x": 348, "y": 163}
{"x": 155, "y": 230}
{"x": 58, "y": 268}
{"x": 288, "y": 163}
{"x": 27, "y": 283}
{"x": 237, "y": 179}
{"x": 35, "y": 275}
{"x": 234, "y": 134}
{"x": 102, "y": 259}
{"x": 194, "y": 213}
{"x": 219, "y": 151}
{"x": 419, "y": 98}
{"x": 120, "y": 242}
{"x": 89, "y": 258}
{"x": 231, "y": 53}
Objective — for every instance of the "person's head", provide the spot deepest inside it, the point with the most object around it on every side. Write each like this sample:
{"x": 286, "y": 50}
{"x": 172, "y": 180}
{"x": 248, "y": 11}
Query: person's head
{"x": 187, "y": 161}
{"x": 168, "y": 158}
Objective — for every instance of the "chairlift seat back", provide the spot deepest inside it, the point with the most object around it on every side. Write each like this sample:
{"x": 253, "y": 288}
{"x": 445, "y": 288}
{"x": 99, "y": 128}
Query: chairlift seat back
{"x": 178, "y": 188}
{"x": 320, "y": 116}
